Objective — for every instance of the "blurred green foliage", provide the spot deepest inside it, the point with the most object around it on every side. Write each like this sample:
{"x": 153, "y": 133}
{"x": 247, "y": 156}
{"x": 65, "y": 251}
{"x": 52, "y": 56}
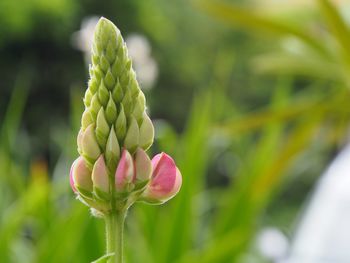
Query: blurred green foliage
{"x": 250, "y": 118}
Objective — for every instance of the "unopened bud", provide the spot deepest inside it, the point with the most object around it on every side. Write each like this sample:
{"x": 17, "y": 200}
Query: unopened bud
{"x": 132, "y": 136}
{"x": 125, "y": 172}
{"x": 112, "y": 151}
{"x": 90, "y": 148}
{"x": 143, "y": 166}
{"x": 81, "y": 178}
{"x": 146, "y": 132}
{"x": 100, "y": 179}
{"x": 165, "y": 182}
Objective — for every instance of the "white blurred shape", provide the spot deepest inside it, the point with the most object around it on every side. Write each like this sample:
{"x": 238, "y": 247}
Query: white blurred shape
{"x": 82, "y": 39}
{"x": 144, "y": 64}
{"x": 272, "y": 243}
{"x": 323, "y": 235}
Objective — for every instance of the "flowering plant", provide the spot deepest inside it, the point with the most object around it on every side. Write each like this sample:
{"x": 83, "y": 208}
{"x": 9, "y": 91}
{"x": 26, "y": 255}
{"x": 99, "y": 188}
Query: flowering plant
{"x": 113, "y": 170}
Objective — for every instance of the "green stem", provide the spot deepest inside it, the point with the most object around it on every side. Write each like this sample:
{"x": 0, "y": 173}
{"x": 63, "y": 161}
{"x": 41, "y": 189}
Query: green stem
{"x": 114, "y": 235}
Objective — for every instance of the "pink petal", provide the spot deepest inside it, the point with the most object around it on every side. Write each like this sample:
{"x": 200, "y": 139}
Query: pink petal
{"x": 166, "y": 179}
{"x": 164, "y": 173}
{"x": 125, "y": 171}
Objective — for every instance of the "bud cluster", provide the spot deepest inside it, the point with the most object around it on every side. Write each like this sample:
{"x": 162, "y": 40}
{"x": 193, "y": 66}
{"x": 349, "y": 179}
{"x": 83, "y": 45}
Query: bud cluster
{"x": 113, "y": 169}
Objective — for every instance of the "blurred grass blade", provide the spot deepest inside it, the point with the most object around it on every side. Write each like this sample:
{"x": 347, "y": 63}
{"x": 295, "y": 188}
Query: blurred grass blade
{"x": 289, "y": 64}
{"x": 13, "y": 218}
{"x": 176, "y": 228}
{"x": 337, "y": 26}
{"x": 234, "y": 15}
{"x": 15, "y": 108}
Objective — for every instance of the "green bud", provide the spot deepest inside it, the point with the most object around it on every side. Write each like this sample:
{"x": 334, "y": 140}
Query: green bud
{"x": 103, "y": 93}
{"x": 86, "y": 119}
{"x": 109, "y": 80}
{"x": 139, "y": 107}
{"x": 89, "y": 144}
{"x": 111, "y": 111}
{"x": 111, "y": 51}
{"x": 132, "y": 136}
{"x": 104, "y": 64}
{"x": 102, "y": 129}
{"x": 120, "y": 125}
{"x": 95, "y": 106}
{"x": 146, "y": 132}
{"x": 112, "y": 151}
{"x": 117, "y": 93}
{"x": 127, "y": 103}
{"x": 87, "y": 98}
{"x": 143, "y": 166}
{"x": 93, "y": 85}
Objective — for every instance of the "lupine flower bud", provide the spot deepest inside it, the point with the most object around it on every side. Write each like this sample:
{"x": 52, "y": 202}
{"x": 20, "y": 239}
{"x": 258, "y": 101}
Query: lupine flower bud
{"x": 82, "y": 175}
{"x": 100, "y": 179}
{"x": 125, "y": 173}
{"x": 143, "y": 166}
{"x": 165, "y": 182}
{"x": 113, "y": 170}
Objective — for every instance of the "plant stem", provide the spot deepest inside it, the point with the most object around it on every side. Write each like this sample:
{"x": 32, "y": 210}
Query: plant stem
{"x": 114, "y": 235}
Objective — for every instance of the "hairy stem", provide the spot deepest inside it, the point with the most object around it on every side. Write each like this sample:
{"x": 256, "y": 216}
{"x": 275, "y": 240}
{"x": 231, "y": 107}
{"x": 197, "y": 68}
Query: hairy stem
{"x": 114, "y": 235}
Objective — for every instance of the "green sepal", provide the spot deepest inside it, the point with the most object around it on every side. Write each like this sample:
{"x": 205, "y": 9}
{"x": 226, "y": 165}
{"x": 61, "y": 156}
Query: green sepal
{"x": 150, "y": 201}
{"x": 84, "y": 193}
{"x": 140, "y": 185}
{"x": 101, "y": 195}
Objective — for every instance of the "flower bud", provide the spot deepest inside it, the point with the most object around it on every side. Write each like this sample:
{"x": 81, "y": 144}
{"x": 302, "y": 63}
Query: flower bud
{"x": 89, "y": 145}
{"x": 146, "y": 132}
{"x": 165, "y": 182}
{"x": 125, "y": 173}
{"x": 80, "y": 178}
{"x": 143, "y": 167}
{"x": 112, "y": 151}
{"x": 100, "y": 179}
{"x": 132, "y": 136}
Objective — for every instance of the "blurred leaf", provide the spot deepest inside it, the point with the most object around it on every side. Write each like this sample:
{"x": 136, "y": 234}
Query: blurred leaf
{"x": 290, "y": 64}
{"x": 234, "y": 15}
{"x": 337, "y": 26}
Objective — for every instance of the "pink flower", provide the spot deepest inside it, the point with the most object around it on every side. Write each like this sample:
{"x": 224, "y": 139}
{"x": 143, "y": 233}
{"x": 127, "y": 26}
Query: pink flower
{"x": 165, "y": 182}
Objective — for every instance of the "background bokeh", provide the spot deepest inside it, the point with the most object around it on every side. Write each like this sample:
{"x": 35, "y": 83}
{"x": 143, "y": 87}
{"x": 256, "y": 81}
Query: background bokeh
{"x": 250, "y": 97}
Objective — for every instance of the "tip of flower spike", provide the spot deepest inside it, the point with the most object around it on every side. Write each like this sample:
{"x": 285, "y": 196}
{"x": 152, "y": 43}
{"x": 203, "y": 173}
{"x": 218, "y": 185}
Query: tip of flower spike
{"x": 105, "y": 30}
